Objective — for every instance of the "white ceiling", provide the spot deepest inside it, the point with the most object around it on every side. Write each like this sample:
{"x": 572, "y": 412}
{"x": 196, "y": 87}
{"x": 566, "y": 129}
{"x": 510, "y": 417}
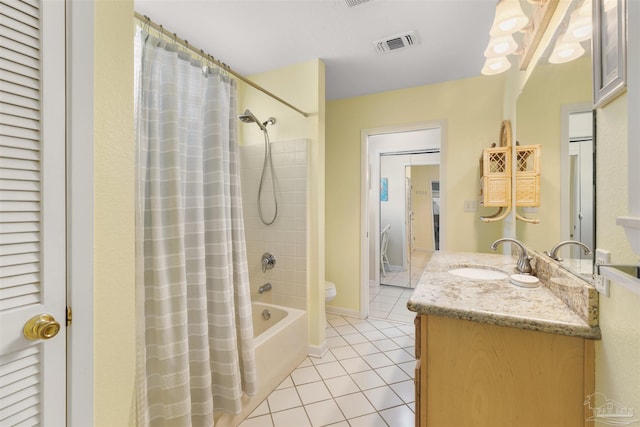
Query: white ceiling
{"x": 253, "y": 36}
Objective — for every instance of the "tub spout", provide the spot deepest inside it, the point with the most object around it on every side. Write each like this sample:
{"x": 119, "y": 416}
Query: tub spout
{"x": 263, "y": 288}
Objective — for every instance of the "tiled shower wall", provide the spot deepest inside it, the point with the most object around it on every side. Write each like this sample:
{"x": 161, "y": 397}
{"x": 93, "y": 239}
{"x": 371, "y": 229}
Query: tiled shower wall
{"x": 286, "y": 238}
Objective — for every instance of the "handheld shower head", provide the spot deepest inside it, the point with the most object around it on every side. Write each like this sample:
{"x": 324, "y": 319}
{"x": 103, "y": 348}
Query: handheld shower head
{"x": 248, "y": 117}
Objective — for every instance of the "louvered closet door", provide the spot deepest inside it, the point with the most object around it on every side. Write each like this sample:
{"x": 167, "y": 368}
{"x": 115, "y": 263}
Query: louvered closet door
{"x": 32, "y": 210}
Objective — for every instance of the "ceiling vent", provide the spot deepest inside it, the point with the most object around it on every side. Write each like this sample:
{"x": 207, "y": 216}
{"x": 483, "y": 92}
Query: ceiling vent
{"x": 352, "y": 3}
{"x": 396, "y": 42}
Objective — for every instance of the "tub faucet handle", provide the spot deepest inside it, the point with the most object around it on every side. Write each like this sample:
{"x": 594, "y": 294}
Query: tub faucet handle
{"x": 268, "y": 261}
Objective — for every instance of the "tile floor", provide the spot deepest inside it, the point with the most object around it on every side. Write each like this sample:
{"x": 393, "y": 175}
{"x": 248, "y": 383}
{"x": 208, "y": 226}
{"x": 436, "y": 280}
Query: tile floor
{"x": 364, "y": 380}
{"x": 419, "y": 260}
{"x": 390, "y": 303}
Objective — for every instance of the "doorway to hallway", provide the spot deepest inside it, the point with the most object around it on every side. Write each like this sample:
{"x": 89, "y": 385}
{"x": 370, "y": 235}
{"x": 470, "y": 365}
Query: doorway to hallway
{"x": 401, "y": 224}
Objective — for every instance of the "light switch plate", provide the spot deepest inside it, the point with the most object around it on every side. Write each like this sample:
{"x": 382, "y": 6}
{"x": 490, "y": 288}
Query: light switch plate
{"x": 603, "y": 257}
{"x": 471, "y": 206}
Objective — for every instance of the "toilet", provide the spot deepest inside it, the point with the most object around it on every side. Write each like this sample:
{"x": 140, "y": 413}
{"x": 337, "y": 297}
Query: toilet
{"x": 329, "y": 293}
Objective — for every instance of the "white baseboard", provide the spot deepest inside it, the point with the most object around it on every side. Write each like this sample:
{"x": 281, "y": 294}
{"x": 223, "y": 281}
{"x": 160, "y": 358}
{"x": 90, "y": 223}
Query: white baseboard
{"x": 343, "y": 311}
{"x": 318, "y": 350}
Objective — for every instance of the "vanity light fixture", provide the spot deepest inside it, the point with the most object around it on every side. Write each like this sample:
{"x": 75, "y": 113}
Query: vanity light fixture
{"x": 496, "y": 65}
{"x": 580, "y": 24}
{"x": 565, "y": 51}
{"x": 509, "y": 18}
{"x": 501, "y": 46}
{"x": 568, "y": 46}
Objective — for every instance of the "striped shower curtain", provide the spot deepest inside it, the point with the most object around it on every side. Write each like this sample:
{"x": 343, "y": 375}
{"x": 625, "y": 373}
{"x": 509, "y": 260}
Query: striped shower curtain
{"x": 195, "y": 350}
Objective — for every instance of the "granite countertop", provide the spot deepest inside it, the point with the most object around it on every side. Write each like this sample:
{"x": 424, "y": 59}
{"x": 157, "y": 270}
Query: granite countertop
{"x": 497, "y": 302}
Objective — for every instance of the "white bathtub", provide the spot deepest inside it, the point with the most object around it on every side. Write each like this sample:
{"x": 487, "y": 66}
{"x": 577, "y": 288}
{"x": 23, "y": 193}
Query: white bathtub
{"x": 281, "y": 345}
{"x": 265, "y": 326}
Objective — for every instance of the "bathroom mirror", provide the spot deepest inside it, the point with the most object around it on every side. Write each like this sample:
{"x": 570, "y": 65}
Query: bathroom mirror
{"x": 554, "y": 109}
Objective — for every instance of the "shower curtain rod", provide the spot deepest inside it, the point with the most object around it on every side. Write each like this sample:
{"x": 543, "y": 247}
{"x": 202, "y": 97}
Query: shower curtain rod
{"x": 145, "y": 20}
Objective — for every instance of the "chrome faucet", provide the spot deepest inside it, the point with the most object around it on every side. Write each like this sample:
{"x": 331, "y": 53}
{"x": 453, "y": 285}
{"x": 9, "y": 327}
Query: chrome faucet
{"x": 524, "y": 260}
{"x": 263, "y": 288}
{"x": 268, "y": 261}
{"x": 553, "y": 253}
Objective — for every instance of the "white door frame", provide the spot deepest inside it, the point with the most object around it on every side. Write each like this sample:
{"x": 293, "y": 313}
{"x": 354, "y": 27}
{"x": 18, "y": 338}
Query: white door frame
{"x": 80, "y": 70}
{"x": 365, "y": 185}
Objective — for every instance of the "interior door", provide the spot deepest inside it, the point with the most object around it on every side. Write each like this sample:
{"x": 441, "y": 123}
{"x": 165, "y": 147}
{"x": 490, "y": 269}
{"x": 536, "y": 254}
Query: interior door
{"x": 32, "y": 213}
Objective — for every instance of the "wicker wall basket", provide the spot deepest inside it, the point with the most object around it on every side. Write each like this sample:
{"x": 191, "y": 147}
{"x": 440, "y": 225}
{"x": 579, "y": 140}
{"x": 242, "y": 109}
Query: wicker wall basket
{"x": 496, "y": 177}
{"x": 528, "y": 175}
{"x": 495, "y": 183}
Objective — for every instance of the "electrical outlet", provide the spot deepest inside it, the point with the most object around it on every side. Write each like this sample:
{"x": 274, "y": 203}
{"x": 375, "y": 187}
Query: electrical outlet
{"x": 603, "y": 257}
{"x": 471, "y": 206}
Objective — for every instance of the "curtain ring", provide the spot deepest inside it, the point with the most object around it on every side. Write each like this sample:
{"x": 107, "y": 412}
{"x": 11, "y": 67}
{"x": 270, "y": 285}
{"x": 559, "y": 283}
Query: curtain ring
{"x": 205, "y": 67}
{"x": 145, "y": 27}
{"x": 146, "y": 24}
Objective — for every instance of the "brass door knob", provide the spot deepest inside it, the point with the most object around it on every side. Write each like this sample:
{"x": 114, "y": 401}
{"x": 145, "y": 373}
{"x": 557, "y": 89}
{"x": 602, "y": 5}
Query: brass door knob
{"x": 41, "y": 327}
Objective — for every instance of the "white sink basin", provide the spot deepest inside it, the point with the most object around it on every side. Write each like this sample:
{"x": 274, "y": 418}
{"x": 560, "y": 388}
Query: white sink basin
{"x": 478, "y": 273}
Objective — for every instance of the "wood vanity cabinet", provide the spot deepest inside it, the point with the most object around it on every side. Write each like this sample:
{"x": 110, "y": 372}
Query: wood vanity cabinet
{"x": 471, "y": 374}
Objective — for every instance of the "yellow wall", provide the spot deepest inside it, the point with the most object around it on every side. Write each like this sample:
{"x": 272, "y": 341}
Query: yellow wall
{"x": 472, "y": 109}
{"x": 301, "y": 85}
{"x": 539, "y": 122}
{"x": 114, "y": 177}
{"x": 618, "y": 353}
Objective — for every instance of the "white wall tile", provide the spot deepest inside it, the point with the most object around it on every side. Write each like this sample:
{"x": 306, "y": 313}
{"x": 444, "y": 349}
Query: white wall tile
{"x": 286, "y": 238}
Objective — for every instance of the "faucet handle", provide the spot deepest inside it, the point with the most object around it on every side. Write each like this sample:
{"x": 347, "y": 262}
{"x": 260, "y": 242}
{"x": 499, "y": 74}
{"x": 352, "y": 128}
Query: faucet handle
{"x": 268, "y": 261}
{"x": 525, "y": 266}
